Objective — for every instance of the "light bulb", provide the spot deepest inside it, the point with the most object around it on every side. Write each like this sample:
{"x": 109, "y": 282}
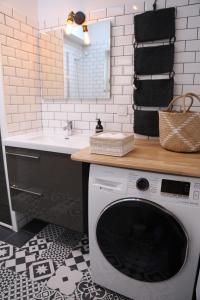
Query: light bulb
{"x": 135, "y": 7}
{"x": 68, "y": 27}
{"x": 86, "y": 38}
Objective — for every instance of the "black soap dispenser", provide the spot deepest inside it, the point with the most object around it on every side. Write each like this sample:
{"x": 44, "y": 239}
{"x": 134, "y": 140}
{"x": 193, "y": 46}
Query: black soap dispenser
{"x": 99, "y": 127}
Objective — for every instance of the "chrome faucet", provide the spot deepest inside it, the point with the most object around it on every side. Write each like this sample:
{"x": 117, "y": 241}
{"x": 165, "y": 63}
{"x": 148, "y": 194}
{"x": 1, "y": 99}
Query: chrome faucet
{"x": 68, "y": 128}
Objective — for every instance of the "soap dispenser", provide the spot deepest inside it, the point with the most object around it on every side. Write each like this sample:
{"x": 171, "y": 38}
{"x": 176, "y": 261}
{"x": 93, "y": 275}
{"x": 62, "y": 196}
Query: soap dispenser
{"x": 99, "y": 127}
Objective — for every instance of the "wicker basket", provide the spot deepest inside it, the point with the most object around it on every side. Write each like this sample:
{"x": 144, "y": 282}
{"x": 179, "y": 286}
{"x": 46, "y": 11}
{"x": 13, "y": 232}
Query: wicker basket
{"x": 112, "y": 143}
{"x": 180, "y": 131}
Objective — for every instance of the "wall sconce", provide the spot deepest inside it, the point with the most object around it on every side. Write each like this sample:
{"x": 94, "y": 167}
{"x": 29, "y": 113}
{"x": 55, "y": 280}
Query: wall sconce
{"x": 78, "y": 18}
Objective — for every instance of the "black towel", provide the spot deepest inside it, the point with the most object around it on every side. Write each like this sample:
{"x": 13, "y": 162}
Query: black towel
{"x": 146, "y": 122}
{"x": 153, "y": 92}
{"x": 154, "y": 60}
{"x": 155, "y": 25}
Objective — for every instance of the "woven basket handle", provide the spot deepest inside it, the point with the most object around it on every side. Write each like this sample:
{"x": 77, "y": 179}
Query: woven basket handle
{"x": 192, "y": 95}
{"x": 188, "y": 95}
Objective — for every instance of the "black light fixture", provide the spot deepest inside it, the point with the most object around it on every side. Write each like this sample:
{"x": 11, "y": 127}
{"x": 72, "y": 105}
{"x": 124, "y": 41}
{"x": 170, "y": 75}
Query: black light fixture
{"x": 79, "y": 18}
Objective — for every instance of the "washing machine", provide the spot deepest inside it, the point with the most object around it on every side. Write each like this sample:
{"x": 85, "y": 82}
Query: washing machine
{"x": 144, "y": 232}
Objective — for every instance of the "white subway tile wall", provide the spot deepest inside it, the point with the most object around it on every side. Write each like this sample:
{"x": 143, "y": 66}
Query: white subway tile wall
{"x": 21, "y": 70}
{"x": 20, "y": 66}
{"x": 51, "y": 64}
{"x": 187, "y": 68}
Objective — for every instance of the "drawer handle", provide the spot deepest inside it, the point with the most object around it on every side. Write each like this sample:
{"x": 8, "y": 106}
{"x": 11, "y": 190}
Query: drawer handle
{"x": 14, "y": 187}
{"x": 23, "y": 155}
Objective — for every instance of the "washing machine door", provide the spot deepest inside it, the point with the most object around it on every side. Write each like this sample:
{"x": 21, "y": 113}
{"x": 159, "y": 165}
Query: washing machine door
{"x": 142, "y": 240}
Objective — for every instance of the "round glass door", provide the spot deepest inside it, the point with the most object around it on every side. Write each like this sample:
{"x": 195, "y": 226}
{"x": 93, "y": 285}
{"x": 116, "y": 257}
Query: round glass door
{"x": 142, "y": 240}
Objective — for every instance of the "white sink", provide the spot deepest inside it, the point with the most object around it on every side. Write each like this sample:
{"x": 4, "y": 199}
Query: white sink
{"x": 51, "y": 143}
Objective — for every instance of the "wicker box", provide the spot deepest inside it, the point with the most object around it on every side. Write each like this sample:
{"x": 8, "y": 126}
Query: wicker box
{"x": 112, "y": 143}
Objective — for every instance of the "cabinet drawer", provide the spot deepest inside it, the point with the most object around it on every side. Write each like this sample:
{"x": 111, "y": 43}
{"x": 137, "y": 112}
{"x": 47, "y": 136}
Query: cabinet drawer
{"x": 25, "y": 200}
{"x": 22, "y": 153}
{"x": 49, "y": 186}
{"x": 23, "y": 167}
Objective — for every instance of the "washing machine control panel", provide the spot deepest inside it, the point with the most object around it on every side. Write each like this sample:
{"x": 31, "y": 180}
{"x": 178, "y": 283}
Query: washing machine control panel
{"x": 164, "y": 187}
{"x": 155, "y": 187}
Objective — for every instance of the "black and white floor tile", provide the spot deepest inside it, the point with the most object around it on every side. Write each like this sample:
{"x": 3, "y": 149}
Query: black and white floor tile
{"x": 78, "y": 261}
{"x": 88, "y": 290}
{"x": 37, "y": 245}
{"x": 58, "y": 252}
{"x": 53, "y": 265}
{"x": 20, "y": 261}
{"x": 83, "y": 245}
{"x": 70, "y": 238}
{"x": 21, "y": 289}
{"x": 6, "y": 251}
{"x": 7, "y": 278}
{"x": 51, "y": 232}
{"x": 49, "y": 294}
{"x": 41, "y": 270}
{"x": 65, "y": 280}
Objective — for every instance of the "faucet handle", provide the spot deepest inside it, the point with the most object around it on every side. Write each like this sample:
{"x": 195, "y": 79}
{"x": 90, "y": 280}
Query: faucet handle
{"x": 68, "y": 128}
{"x": 69, "y": 124}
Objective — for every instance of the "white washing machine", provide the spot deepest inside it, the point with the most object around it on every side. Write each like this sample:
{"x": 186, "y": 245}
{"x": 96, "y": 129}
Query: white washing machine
{"x": 144, "y": 232}
{"x": 198, "y": 289}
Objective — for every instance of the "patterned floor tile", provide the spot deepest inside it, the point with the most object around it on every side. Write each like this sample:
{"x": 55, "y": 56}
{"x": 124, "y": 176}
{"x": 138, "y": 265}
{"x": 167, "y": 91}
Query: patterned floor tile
{"x": 41, "y": 270}
{"x": 83, "y": 245}
{"x": 53, "y": 265}
{"x": 49, "y": 294}
{"x": 51, "y": 232}
{"x": 6, "y": 251}
{"x": 65, "y": 280}
{"x": 20, "y": 261}
{"x": 37, "y": 245}
{"x": 7, "y": 277}
{"x": 22, "y": 289}
{"x": 78, "y": 261}
{"x": 88, "y": 290}
{"x": 58, "y": 252}
{"x": 45, "y": 294}
{"x": 70, "y": 238}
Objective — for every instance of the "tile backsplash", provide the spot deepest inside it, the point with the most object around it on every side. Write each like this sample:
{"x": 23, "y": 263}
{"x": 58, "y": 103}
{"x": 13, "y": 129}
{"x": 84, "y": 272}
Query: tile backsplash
{"x": 26, "y": 110}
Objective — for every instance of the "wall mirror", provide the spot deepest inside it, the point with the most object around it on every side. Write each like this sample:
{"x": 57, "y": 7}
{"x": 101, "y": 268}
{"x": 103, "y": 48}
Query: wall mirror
{"x": 72, "y": 70}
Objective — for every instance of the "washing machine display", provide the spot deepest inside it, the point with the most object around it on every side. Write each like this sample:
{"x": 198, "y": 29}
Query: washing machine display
{"x": 142, "y": 240}
{"x": 175, "y": 187}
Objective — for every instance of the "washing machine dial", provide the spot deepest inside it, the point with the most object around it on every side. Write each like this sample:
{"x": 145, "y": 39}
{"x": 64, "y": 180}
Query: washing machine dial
{"x": 142, "y": 184}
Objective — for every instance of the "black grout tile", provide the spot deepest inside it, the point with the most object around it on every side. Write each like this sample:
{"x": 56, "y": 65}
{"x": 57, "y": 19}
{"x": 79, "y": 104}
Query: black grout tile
{"x": 34, "y": 226}
{"x": 20, "y": 238}
{"x": 5, "y": 233}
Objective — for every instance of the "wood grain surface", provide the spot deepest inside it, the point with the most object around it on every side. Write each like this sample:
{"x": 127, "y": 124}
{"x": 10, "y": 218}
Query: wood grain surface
{"x": 148, "y": 156}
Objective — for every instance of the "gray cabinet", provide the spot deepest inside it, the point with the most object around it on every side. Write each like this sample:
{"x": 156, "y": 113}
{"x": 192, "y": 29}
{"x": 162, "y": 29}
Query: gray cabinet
{"x": 49, "y": 186}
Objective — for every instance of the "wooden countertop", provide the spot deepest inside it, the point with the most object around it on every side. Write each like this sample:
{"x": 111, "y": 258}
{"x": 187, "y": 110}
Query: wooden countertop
{"x": 148, "y": 156}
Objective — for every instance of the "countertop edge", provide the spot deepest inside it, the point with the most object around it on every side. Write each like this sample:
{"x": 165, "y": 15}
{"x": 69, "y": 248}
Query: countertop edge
{"x": 151, "y": 165}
